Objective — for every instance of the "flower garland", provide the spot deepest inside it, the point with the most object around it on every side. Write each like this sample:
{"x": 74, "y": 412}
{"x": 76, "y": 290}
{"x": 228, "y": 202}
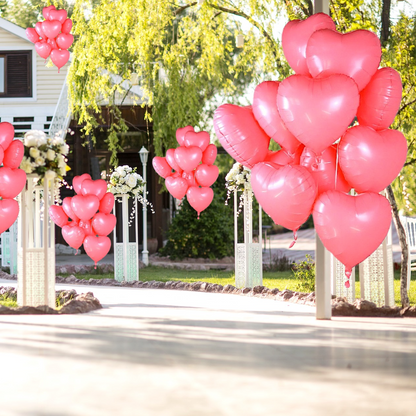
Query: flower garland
{"x": 46, "y": 157}
{"x": 238, "y": 180}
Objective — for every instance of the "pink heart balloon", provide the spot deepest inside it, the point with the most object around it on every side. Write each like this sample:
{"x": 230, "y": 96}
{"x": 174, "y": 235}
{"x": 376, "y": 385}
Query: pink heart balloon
{"x": 281, "y": 157}
{"x": 206, "y": 175}
{"x": 97, "y": 247}
{"x": 351, "y": 227}
{"x": 12, "y": 181}
{"x": 209, "y": 155}
{"x": 180, "y": 134}
{"x": 286, "y": 193}
{"x": 53, "y": 44}
{"x": 2, "y": 155}
{"x": 14, "y": 154}
{"x": 64, "y": 40}
{"x": 66, "y": 26}
{"x": 380, "y": 99}
{"x": 107, "y": 203}
{"x": 77, "y": 181}
{"x": 188, "y": 158}
{"x": 6, "y": 134}
{"x": 32, "y": 35}
{"x": 58, "y": 215}
{"x": 51, "y": 28}
{"x": 176, "y": 186}
{"x": 356, "y": 54}
{"x": 170, "y": 158}
{"x": 266, "y": 113}
{"x": 46, "y": 10}
{"x": 323, "y": 169}
{"x": 96, "y": 187}
{"x": 240, "y": 134}
{"x": 200, "y": 139}
{"x": 87, "y": 227}
{"x": 161, "y": 166}
{"x": 59, "y": 15}
{"x": 73, "y": 235}
{"x": 295, "y": 37}
{"x": 371, "y": 160}
{"x": 199, "y": 198}
{"x": 59, "y": 57}
{"x": 190, "y": 178}
{"x": 317, "y": 111}
{"x": 103, "y": 224}
{"x": 39, "y": 30}
{"x": 43, "y": 49}
{"x": 9, "y": 210}
{"x": 67, "y": 207}
{"x": 85, "y": 207}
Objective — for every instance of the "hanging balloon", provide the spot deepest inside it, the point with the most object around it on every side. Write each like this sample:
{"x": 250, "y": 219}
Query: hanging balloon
{"x": 371, "y": 160}
{"x": 200, "y": 139}
{"x": 43, "y": 49}
{"x": 206, "y": 175}
{"x": 295, "y": 38}
{"x": 12, "y": 182}
{"x": 351, "y": 227}
{"x": 199, "y": 198}
{"x": 77, "y": 181}
{"x": 97, "y": 247}
{"x": 281, "y": 157}
{"x": 188, "y": 158}
{"x": 6, "y": 134}
{"x": 103, "y": 224}
{"x": 9, "y": 210}
{"x": 73, "y": 235}
{"x": 266, "y": 113}
{"x": 176, "y": 186}
{"x": 161, "y": 166}
{"x": 180, "y": 134}
{"x": 58, "y": 215}
{"x": 107, "y": 203}
{"x": 380, "y": 99}
{"x": 84, "y": 207}
{"x": 67, "y": 207}
{"x": 317, "y": 111}
{"x": 170, "y": 158}
{"x": 240, "y": 134}
{"x": 58, "y": 15}
{"x": 32, "y": 35}
{"x": 59, "y": 57}
{"x": 96, "y": 187}
{"x": 209, "y": 155}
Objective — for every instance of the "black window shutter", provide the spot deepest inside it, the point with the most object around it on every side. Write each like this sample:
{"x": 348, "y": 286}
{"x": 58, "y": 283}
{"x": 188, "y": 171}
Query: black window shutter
{"x": 19, "y": 75}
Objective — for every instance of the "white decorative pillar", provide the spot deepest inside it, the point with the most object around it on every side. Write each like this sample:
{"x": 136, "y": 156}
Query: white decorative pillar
{"x": 9, "y": 248}
{"x": 36, "y": 245}
{"x": 144, "y": 154}
{"x": 248, "y": 255}
{"x": 126, "y": 252}
{"x": 377, "y": 275}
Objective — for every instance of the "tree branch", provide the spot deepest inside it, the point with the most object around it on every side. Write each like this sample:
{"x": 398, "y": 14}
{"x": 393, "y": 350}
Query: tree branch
{"x": 179, "y": 10}
{"x": 406, "y": 105}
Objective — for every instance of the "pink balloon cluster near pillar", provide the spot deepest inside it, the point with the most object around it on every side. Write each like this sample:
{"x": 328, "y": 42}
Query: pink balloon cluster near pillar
{"x": 189, "y": 169}
{"x": 86, "y": 218}
{"x": 331, "y": 120}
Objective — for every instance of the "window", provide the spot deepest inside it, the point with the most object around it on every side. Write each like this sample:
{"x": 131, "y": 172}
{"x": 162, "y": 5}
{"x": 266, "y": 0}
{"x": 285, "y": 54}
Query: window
{"x": 15, "y": 74}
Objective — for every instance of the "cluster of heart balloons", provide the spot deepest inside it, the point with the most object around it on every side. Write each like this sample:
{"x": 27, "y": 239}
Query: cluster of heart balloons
{"x": 86, "y": 217}
{"x": 189, "y": 169}
{"x": 12, "y": 179}
{"x": 323, "y": 155}
{"x": 51, "y": 37}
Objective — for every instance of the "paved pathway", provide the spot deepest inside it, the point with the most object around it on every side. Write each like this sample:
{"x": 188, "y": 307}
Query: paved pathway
{"x": 173, "y": 353}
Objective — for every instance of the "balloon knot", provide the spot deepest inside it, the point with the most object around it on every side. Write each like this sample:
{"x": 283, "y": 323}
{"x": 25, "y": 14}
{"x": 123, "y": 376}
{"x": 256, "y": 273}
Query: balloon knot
{"x": 348, "y": 273}
{"x": 292, "y": 243}
{"x": 347, "y": 284}
{"x": 95, "y": 267}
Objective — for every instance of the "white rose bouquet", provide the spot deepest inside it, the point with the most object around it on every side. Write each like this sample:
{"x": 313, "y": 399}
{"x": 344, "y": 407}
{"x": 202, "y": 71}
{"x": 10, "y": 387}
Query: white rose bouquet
{"x": 238, "y": 178}
{"x": 45, "y": 156}
{"x": 125, "y": 180}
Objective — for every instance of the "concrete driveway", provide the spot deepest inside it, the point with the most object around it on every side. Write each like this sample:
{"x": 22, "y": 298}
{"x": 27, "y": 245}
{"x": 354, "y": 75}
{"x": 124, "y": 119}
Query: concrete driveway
{"x": 173, "y": 353}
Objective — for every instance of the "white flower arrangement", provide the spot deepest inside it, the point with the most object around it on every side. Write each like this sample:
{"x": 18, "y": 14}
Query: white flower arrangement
{"x": 125, "y": 180}
{"x": 45, "y": 156}
{"x": 238, "y": 180}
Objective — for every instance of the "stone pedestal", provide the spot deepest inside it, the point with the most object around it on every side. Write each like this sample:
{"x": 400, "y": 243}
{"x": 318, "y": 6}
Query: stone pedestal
{"x": 248, "y": 255}
{"x": 36, "y": 245}
{"x": 126, "y": 240}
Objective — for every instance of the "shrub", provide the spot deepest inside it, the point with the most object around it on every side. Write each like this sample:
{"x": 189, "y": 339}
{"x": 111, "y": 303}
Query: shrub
{"x": 305, "y": 274}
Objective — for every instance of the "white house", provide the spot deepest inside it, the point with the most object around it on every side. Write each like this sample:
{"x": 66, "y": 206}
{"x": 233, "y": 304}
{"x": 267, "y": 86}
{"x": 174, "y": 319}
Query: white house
{"x": 29, "y": 90}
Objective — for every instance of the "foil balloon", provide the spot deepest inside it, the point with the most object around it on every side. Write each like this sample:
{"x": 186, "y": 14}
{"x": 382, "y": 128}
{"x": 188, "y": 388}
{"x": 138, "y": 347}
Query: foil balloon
{"x": 286, "y": 193}
{"x": 200, "y": 139}
{"x": 317, "y": 111}
{"x": 73, "y": 235}
{"x": 177, "y": 186}
{"x": 9, "y": 210}
{"x": 190, "y": 178}
{"x": 32, "y": 35}
{"x": 97, "y": 247}
{"x": 12, "y": 182}
{"x": 58, "y": 215}
{"x": 240, "y": 134}
{"x": 6, "y": 134}
{"x": 295, "y": 38}
{"x": 96, "y": 187}
{"x": 170, "y": 158}
{"x": 281, "y": 157}
{"x": 324, "y": 169}
{"x": 380, "y": 99}
{"x": 59, "y": 57}
{"x": 1, "y": 155}
{"x": 103, "y": 224}
{"x": 84, "y": 207}
{"x": 161, "y": 166}
{"x": 356, "y": 54}
{"x": 266, "y": 113}
{"x": 371, "y": 160}
{"x": 107, "y": 203}
{"x": 188, "y": 158}
{"x": 351, "y": 227}
{"x": 13, "y": 155}
{"x": 206, "y": 175}
{"x": 67, "y": 207}
{"x": 180, "y": 134}
{"x": 199, "y": 198}
{"x": 76, "y": 182}
{"x": 209, "y": 155}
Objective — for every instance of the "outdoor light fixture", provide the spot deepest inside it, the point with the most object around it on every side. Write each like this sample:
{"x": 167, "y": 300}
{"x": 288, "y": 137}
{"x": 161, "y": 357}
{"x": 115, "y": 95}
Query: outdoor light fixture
{"x": 239, "y": 41}
{"x": 144, "y": 154}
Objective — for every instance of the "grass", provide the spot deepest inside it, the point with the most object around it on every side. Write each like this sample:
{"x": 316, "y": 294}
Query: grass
{"x": 10, "y": 303}
{"x": 280, "y": 280}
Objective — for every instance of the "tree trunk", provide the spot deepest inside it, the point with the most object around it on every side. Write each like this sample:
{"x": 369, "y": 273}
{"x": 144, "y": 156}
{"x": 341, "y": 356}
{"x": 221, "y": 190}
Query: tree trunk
{"x": 385, "y": 21}
{"x": 403, "y": 245}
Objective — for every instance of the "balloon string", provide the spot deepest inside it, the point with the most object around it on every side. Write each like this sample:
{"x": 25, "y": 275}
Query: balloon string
{"x": 336, "y": 168}
{"x": 295, "y": 237}
{"x": 347, "y": 275}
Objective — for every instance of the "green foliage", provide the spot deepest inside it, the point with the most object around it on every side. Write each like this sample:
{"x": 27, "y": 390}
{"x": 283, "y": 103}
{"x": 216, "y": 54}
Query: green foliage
{"x": 304, "y": 272}
{"x": 210, "y": 236}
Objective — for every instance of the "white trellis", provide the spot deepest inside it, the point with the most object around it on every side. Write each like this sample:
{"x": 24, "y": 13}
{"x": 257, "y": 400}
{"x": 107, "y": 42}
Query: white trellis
{"x": 9, "y": 248}
{"x": 339, "y": 278}
{"x": 36, "y": 245}
{"x": 248, "y": 255}
{"x": 126, "y": 249}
